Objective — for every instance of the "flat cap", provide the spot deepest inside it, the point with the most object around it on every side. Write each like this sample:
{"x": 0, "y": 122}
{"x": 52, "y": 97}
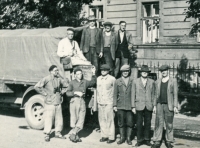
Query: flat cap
{"x": 76, "y": 70}
{"x": 163, "y": 68}
{"x": 105, "y": 67}
{"x": 125, "y": 68}
{"x": 145, "y": 68}
{"x": 92, "y": 18}
{"x": 107, "y": 24}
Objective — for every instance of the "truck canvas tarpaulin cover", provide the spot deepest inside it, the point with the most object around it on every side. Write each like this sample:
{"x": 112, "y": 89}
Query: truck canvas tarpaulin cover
{"x": 26, "y": 54}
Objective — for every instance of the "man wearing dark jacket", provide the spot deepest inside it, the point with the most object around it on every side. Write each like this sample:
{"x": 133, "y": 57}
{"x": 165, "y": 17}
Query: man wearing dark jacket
{"x": 143, "y": 92}
{"x": 92, "y": 43}
{"x": 122, "y": 104}
{"x": 165, "y": 105}
{"x": 109, "y": 44}
{"x": 52, "y": 87}
{"x": 124, "y": 44}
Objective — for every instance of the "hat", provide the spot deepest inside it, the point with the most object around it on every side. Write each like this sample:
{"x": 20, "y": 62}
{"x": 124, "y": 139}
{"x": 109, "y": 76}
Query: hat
{"x": 91, "y": 18}
{"x": 125, "y": 68}
{"x": 105, "y": 67}
{"x": 76, "y": 70}
{"x": 107, "y": 24}
{"x": 145, "y": 68}
{"x": 52, "y": 67}
{"x": 70, "y": 29}
{"x": 163, "y": 68}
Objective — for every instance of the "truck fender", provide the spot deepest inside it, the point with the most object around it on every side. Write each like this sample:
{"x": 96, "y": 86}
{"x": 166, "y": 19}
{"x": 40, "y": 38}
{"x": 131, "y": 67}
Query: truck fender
{"x": 27, "y": 95}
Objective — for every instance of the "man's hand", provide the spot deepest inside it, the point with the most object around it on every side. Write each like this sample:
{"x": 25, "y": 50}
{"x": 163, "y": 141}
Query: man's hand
{"x": 91, "y": 110}
{"x": 115, "y": 109}
{"x": 176, "y": 110}
{"x": 78, "y": 93}
{"x": 93, "y": 70}
{"x": 154, "y": 109}
{"x": 100, "y": 54}
{"x": 133, "y": 110}
{"x": 130, "y": 47}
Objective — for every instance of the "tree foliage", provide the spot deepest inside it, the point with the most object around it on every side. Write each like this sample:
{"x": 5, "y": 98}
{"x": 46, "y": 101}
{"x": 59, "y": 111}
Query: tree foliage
{"x": 193, "y": 11}
{"x": 40, "y": 13}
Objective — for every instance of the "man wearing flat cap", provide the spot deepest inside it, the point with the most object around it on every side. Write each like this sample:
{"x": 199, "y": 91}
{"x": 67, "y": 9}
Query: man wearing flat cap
{"x": 143, "y": 95}
{"x": 92, "y": 43}
{"x": 122, "y": 104}
{"x": 52, "y": 87}
{"x": 109, "y": 44}
{"x": 165, "y": 105}
{"x": 76, "y": 91}
{"x": 105, "y": 90}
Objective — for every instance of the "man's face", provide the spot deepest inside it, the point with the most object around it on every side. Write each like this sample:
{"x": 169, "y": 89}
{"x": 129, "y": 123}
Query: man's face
{"x": 165, "y": 73}
{"x": 55, "y": 72}
{"x": 70, "y": 34}
{"x": 92, "y": 23}
{"x": 79, "y": 75}
{"x": 107, "y": 28}
{"x": 104, "y": 72}
{"x": 122, "y": 26}
{"x": 144, "y": 74}
{"x": 125, "y": 73}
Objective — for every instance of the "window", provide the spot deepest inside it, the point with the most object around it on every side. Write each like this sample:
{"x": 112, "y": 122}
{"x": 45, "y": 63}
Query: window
{"x": 150, "y": 22}
{"x": 97, "y": 11}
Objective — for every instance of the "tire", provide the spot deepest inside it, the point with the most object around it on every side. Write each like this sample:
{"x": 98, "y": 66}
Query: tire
{"x": 34, "y": 112}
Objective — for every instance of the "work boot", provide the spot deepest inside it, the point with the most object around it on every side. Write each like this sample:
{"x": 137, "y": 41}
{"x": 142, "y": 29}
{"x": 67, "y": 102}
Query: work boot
{"x": 128, "y": 135}
{"x": 122, "y": 135}
{"x": 168, "y": 145}
{"x": 78, "y": 139}
{"x": 156, "y": 145}
{"x": 72, "y": 137}
{"x": 148, "y": 143}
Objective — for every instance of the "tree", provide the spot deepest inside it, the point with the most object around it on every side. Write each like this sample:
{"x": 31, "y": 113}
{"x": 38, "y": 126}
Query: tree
{"x": 193, "y": 11}
{"x": 40, "y": 13}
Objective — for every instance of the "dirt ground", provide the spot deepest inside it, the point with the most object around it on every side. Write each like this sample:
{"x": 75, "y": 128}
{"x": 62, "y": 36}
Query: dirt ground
{"x": 16, "y": 133}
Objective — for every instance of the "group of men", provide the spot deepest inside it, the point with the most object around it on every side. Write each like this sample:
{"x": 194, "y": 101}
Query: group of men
{"x": 124, "y": 96}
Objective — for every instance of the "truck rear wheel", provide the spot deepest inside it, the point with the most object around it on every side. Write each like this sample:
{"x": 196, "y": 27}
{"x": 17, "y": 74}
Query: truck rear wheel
{"x": 34, "y": 112}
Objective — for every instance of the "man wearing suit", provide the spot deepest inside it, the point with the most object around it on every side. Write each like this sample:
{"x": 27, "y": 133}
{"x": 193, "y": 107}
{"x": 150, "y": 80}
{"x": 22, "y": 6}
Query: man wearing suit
{"x": 109, "y": 42}
{"x": 165, "y": 105}
{"x": 124, "y": 44}
{"x": 92, "y": 43}
{"x": 143, "y": 94}
{"x": 122, "y": 104}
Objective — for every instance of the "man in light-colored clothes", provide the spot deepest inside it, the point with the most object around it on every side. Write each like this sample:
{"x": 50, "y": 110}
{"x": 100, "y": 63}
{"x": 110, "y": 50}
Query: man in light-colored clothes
{"x": 52, "y": 87}
{"x": 105, "y": 89}
{"x": 67, "y": 47}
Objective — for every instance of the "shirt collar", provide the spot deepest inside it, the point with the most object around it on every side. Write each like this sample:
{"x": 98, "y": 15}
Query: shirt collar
{"x": 92, "y": 27}
{"x": 108, "y": 33}
{"x": 121, "y": 31}
{"x": 104, "y": 77}
{"x": 165, "y": 79}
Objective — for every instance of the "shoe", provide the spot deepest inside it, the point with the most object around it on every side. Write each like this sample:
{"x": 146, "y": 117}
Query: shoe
{"x": 138, "y": 144}
{"x": 78, "y": 139}
{"x": 128, "y": 137}
{"x": 168, "y": 145}
{"x": 148, "y": 143}
{"x": 155, "y": 145}
{"x": 122, "y": 136}
{"x": 47, "y": 138}
{"x": 110, "y": 141}
{"x": 60, "y": 136}
{"x": 72, "y": 138}
{"x": 103, "y": 139}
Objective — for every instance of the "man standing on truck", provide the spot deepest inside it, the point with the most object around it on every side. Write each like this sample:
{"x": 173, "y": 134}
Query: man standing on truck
{"x": 68, "y": 48}
{"x": 105, "y": 90}
{"x": 52, "y": 87}
{"x": 92, "y": 43}
{"x": 165, "y": 105}
{"x": 124, "y": 45}
{"x": 76, "y": 90}
{"x": 109, "y": 44}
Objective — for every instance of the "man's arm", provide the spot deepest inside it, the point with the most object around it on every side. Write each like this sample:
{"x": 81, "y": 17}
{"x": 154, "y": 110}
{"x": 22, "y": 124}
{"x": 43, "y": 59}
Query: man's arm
{"x": 65, "y": 84}
{"x": 39, "y": 87}
{"x": 70, "y": 90}
{"x": 115, "y": 96}
{"x": 60, "y": 51}
{"x": 133, "y": 97}
{"x": 175, "y": 93}
{"x": 130, "y": 41}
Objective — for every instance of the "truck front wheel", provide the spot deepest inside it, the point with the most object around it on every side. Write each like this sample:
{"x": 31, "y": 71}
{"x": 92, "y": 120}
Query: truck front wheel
{"x": 34, "y": 112}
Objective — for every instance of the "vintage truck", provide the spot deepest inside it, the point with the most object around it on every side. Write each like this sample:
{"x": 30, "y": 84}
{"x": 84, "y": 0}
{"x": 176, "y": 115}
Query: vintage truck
{"x": 26, "y": 55}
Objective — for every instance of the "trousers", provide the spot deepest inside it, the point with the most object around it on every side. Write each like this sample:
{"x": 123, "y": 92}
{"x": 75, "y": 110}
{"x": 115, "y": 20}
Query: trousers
{"x": 125, "y": 118}
{"x": 118, "y": 63}
{"x": 53, "y": 113}
{"x": 77, "y": 114}
{"x": 143, "y": 132}
{"x": 163, "y": 114}
{"x": 106, "y": 121}
{"x": 108, "y": 58}
{"x": 93, "y": 57}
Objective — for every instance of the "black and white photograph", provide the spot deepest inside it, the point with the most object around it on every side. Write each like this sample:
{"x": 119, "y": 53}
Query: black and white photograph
{"x": 100, "y": 73}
